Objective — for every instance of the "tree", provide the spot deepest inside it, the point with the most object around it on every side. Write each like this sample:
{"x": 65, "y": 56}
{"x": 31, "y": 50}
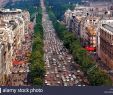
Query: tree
{"x": 38, "y": 81}
{"x": 37, "y": 69}
{"x": 96, "y": 77}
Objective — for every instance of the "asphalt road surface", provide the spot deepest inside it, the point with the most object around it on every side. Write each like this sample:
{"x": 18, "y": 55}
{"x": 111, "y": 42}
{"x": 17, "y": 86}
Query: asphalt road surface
{"x": 61, "y": 70}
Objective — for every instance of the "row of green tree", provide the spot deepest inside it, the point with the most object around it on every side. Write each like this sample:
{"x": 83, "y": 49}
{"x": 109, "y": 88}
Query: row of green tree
{"x": 37, "y": 70}
{"x": 95, "y": 76}
{"x": 59, "y": 6}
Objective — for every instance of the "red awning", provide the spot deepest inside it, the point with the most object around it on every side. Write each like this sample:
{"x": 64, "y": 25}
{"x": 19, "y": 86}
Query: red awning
{"x": 15, "y": 62}
{"x": 90, "y": 48}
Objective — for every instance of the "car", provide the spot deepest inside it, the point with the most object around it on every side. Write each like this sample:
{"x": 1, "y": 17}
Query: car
{"x": 59, "y": 66}
{"x": 69, "y": 75}
{"x": 76, "y": 81}
{"x": 28, "y": 70}
{"x": 67, "y": 79}
{"x": 58, "y": 82}
{"x": 21, "y": 71}
{"x": 52, "y": 72}
{"x": 65, "y": 84}
{"x": 63, "y": 79}
{"x": 74, "y": 76}
{"x": 63, "y": 53}
{"x": 69, "y": 61}
{"x": 78, "y": 71}
{"x": 79, "y": 85}
{"x": 72, "y": 79}
{"x": 48, "y": 66}
{"x": 69, "y": 58}
{"x": 64, "y": 68}
{"x": 57, "y": 52}
{"x": 54, "y": 59}
{"x": 57, "y": 75}
{"x": 45, "y": 75}
{"x": 60, "y": 53}
{"x": 48, "y": 84}
{"x": 25, "y": 80}
{"x": 73, "y": 62}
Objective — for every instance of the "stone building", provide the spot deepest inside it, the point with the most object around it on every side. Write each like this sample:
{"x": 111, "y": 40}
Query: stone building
{"x": 13, "y": 25}
{"x": 105, "y": 46}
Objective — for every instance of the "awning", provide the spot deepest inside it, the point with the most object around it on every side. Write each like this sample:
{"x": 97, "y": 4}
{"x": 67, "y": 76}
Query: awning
{"x": 16, "y": 62}
{"x": 88, "y": 48}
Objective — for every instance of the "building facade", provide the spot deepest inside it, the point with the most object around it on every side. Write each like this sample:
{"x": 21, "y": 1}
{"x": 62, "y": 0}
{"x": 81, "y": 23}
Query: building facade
{"x": 13, "y": 26}
{"x": 106, "y": 44}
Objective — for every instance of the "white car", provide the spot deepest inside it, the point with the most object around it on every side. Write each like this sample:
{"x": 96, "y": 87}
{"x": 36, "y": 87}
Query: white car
{"x": 58, "y": 82}
{"x": 59, "y": 66}
{"x": 54, "y": 59}
{"x": 45, "y": 75}
{"x": 69, "y": 75}
{"x": 57, "y": 76}
{"x": 69, "y": 58}
{"x": 69, "y": 61}
{"x": 64, "y": 80}
{"x": 74, "y": 76}
{"x": 78, "y": 71}
{"x": 48, "y": 66}
{"x": 48, "y": 84}
{"x": 65, "y": 84}
{"x": 67, "y": 79}
{"x": 72, "y": 79}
